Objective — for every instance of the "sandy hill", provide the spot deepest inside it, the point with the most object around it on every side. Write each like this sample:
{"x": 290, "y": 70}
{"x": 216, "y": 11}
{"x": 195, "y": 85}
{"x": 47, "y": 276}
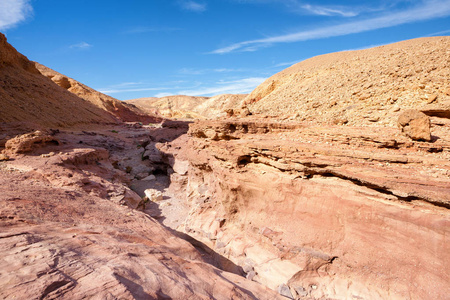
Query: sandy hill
{"x": 189, "y": 106}
{"x": 123, "y": 111}
{"x": 170, "y": 106}
{"x": 217, "y": 105}
{"x": 359, "y": 87}
{"x": 28, "y": 96}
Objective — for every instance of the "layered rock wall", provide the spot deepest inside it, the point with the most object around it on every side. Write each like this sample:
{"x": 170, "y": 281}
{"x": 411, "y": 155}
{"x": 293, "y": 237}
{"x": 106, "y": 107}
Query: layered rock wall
{"x": 325, "y": 212}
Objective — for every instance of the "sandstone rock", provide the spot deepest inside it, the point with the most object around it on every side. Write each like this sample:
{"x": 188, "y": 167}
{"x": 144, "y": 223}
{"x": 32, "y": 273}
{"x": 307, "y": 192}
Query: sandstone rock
{"x": 415, "y": 124}
{"x": 250, "y": 275}
{"x": 29, "y": 142}
{"x": 62, "y": 81}
{"x": 229, "y": 112}
{"x": 441, "y": 109}
{"x": 149, "y": 178}
{"x": 3, "y": 157}
{"x": 285, "y": 291}
{"x": 431, "y": 98}
{"x": 179, "y": 166}
{"x": 140, "y": 176}
{"x": 153, "y": 195}
{"x": 152, "y": 153}
{"x": 267, "y": 178}
{"x": 245, "y": 112}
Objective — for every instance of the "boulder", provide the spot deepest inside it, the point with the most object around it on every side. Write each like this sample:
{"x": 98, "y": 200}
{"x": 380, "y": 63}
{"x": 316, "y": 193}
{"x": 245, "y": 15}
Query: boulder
{"x": 415, "y": 125}
{"x": 29, "y": 142}
{"x": 149, "y": 178}
{"x": 153, "y": 195}
{"x": 179, "y": 166}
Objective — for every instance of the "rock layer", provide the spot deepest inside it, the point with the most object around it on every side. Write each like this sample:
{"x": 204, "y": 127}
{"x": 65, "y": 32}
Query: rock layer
{"x": 330, "y": 213}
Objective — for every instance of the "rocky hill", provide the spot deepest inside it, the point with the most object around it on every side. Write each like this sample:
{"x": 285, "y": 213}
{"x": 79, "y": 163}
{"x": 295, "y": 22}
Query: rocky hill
{"x": 365, "y": 87}
{"x": 123, "y": 111}
{"x": 28, "y": 96}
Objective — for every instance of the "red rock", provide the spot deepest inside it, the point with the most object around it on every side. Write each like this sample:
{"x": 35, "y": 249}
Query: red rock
{"x": 415, "y": 124}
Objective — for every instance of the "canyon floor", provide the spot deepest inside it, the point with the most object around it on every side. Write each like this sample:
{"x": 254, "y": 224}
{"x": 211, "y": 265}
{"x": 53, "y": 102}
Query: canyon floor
{"x": 251, "y": 209}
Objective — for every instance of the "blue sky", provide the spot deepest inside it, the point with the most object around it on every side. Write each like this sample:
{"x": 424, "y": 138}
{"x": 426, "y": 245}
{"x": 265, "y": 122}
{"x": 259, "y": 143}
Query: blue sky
{"x": 144, "y": 48}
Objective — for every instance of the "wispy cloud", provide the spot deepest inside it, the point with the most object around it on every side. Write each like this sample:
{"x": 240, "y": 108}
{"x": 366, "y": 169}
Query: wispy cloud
{"x": 443, "y": 32}
{"x": 13, "y": 12}
{"x": 116, "y": 91}
{"x": 192, "y": 5}
{"x": 330, "y": 10}
{"x": 428, "y": 9}
{"x": 160, "y": 95}
{"x": 81, "y": 46}
{"x": 302, "y": 7}
{"x": 241, "y": 86}
{"x": 124, "y": 87}
{"x": 287, "y": 63}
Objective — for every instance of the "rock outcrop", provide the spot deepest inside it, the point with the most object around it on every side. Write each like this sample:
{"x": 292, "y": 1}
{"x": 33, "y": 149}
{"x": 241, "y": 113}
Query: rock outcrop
{"x": 321, "y": 211}
{"x": 415, "y": 124}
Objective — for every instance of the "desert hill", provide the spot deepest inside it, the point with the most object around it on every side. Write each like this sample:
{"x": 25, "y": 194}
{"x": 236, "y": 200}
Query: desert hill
{"x": 123, "y": 111}
{"x": 169, "y": 106}
{"x": 359, "y": 87}
{"x": 216, "y": 106}
{"x": 28, "y": 96}
{"x": 189, "y": 106}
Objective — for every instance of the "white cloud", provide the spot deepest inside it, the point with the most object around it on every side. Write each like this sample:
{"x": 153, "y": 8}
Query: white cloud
{"x": 241, "y": 86}
{"x": 429, "y": 9}
{"x": 160, "y": 95}
{"x": 444, "y": 32}
{"x": 288, "y": 63}
{"x": 192, "y": 6}
{"x": 330, "y": 11}
{"x": 81, "y": 46}
{"x": 300, "y": 7}
{"x": 13, "y": 12}
{"x": 116, "y": 91}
